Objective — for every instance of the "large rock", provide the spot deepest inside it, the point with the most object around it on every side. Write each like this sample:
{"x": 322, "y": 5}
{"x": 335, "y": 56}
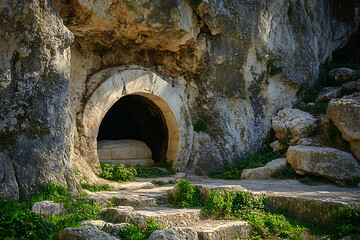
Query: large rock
{"x": 328, "y": 93}
{"x": 36, "y": 126}
{"x": 129, "y": 152}
{"x": 123, "y": 214}
{"x": 345, "y": 114}
{"x": 112, "y": 228}
{"x": 341, "y": 75}
{"x": 48, "y": 208}
{"x": 265, "y": 172}
{"x": 84, "y": 233}
{"x": 294, "y": 123}
{"x": 177, "y": 233}
{"x": 330, "y": 163}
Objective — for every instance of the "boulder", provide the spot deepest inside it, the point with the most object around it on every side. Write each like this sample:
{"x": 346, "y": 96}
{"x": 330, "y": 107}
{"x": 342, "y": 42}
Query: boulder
{"x": 48, "y": 208}
{"x": 328, "y": 93}
{"x": 345, "y": 114}
{"x": 294, "y": 123}
{"x": 123, "y": 214}
{"x": 330, "y": 163}
{"x": 341, "y": 75}
{"x": 177, "y": 233}
{"x": 84, "y": 233}
{"x": 305, "y": 142}
{"x": 112, "y": 228}
{"x": 265, "y": 172}
{"x": 129, "y": 152}
{"x": 278, "y": 146}
{"x": 353, "y": 86}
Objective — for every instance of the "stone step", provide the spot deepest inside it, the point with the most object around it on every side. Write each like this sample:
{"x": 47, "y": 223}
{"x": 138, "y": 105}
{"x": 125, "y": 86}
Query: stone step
{"x": 116, "y": 198}
{"x": 221, "y": 229}
{"x": 171, "y": 217}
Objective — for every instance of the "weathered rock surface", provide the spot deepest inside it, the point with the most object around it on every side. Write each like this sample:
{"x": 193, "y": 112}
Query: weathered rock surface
{"x": 84, "y": 233}
{"x": 112, "y": 228}
{"x": 265, "y": 172}
{"x": 345, "y": 114}
{"x": 36, "y": 126}
{"x": 8, "y": 184}
{"x": 330, "y": 163}
{"x": 278, "y": 146}
{"x": 123, "y": 214}
{"x": 341, "y": 75}
{"x": 353, "y": 86}
{"x": 227, "y": 230}
{"x": 48, "y": 208}
{"x": 178, "y": 233}
{"x": 294, "y": 123}
{"x": 328, "y": 93}
{"x": 125, "y": 151}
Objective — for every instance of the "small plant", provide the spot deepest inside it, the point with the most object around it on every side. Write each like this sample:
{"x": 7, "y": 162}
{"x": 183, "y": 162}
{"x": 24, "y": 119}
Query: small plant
{"x": 307, "y": 181}
{"x": 186, "y": 195}
{"x": 347, "y": 221}
{"x": 131, "y": 4}
{"x": 285, "y": 140}
{"x": 219, "y": 204}
{"x": 118, "y": 173}
{"x": 318, "y": 108}
{"x": 140, "y": 233}
{"x": 352, "y": 182}
{"x": 200, "y": 126}
{"x": 258, "y": 159}
{"x": 96, "y": 188}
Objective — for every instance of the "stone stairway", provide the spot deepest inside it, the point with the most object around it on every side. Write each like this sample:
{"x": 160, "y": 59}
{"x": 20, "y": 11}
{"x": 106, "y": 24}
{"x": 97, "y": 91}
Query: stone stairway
{"x": 310, "y": 203}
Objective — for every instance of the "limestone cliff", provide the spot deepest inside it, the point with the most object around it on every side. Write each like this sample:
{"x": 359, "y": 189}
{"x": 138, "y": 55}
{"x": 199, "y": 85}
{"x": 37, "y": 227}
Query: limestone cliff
{"x": 231, "y": 63}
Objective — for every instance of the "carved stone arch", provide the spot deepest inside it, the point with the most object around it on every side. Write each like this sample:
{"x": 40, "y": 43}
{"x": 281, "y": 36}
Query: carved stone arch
{"x": 111, "y": 84}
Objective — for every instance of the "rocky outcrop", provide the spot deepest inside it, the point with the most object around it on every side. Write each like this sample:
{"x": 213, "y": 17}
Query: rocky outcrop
{"x": 266, "y": 172}
{"x": 328, "y": 93}
{"x": 84, "y": 233}
{"x": 345, "y": 114}
{"x": 294, "y": 123}
{"x": 175, "y": 234}
{"x": 330, "y": 163}
{"x": 36, "y": 126}
{"x": 48, "y": 208}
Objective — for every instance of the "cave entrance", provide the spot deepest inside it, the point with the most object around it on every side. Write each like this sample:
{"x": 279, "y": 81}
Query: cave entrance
{"x": 135, "y": 117}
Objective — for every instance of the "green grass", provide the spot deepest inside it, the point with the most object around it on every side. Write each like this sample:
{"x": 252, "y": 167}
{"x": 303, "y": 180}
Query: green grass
{"x": 118, "y": 173}
{"x": 18, "y": 222}
{"x": 258, "y": 159}
{"x": 96, "y": 188}
{"x": 140, "y": 233}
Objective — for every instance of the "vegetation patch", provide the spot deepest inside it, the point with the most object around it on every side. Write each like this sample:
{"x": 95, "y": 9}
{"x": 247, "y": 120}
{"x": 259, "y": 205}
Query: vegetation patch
{"x": 333, "y": 134}
{"x": 194, "y": 3}
{"x": 134, "y": 232}
{"x": 258, "y": 159}
{"x": 347, "y": 221}
{"x": 17, "y": 221}
{"x": 186, "y": 195}
{"x": 130, "y": 4}
{"x": 272, "y": 69}
{"x": 200, "y": 126}
{"x": 96, "y": 188}
{"x": 162, "y": 183}
{"x": 118, "y": 173}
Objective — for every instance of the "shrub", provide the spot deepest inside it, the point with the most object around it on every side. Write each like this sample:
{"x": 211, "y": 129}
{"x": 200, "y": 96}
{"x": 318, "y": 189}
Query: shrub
{"x": 186, "y": 195}
{"x": 219, "y": 204}
{"x": 118, "y": 173}
{"x": 258, "y": 159}
{"x": 200, "y": 126}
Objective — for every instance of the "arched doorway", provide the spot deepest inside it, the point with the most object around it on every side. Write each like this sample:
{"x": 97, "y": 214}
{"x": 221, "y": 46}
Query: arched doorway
{"x": 142, "y": 94}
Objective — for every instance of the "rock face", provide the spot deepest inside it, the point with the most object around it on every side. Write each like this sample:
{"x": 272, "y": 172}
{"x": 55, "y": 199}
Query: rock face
{"x": 294, "y": 123}
{"x": 36, "y": 126}
{"x": 326, "y": 162}
{"x": 48, "y": 208}
{"x": 84, "y": 233}
{"x": 265, "y": 172}
{"x": 174, "y": 234}
{"x": 232, "y": 65}
{"x": 126, "y": 151}
{"x": 345, "y": 114}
